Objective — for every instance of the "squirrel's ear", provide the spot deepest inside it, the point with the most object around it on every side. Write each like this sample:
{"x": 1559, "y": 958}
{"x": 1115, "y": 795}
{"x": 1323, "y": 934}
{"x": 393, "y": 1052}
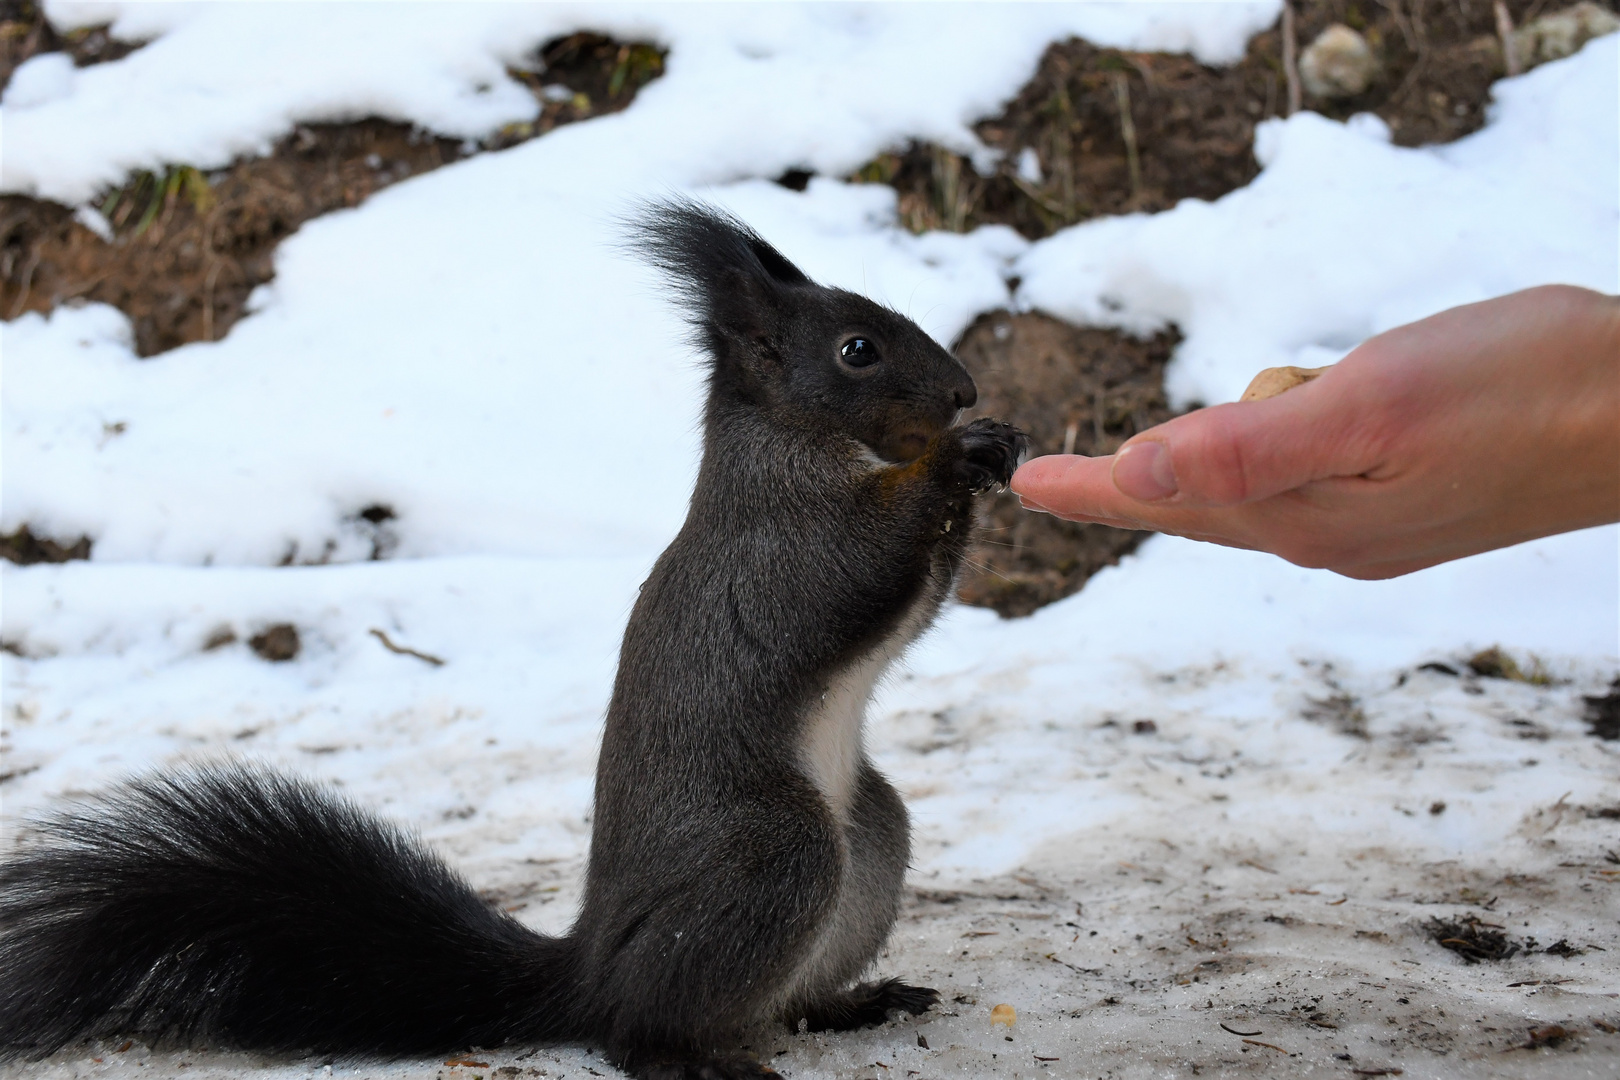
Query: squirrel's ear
{"x": 730, "y": 279}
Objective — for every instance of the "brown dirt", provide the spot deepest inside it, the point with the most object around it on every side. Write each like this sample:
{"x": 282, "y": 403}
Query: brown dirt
{"x": 1193, "y": 126}
{"x": 189, "y": 247}
{"x": 1472, "y": 939}
{"x": 24, "y": 33}
{"x": 1072, "y": 389}
{"x": 1603, "y": 714}
{"x": 24, "y": 548}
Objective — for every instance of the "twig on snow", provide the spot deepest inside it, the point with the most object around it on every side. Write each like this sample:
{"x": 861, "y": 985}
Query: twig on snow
{"x": 403, "y": 651}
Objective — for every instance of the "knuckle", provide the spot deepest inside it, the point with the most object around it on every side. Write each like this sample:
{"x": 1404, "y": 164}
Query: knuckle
{"x": 1220, "y": 468}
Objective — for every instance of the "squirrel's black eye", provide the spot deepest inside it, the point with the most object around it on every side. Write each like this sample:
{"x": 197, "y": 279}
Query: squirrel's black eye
{"x": 859, "y": 352}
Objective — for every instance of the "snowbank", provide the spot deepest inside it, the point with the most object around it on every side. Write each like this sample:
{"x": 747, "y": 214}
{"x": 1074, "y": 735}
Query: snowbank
{"x": 414, "y": 353}
{"x": 470, "y": 349}
{"x": 776, "y": 86}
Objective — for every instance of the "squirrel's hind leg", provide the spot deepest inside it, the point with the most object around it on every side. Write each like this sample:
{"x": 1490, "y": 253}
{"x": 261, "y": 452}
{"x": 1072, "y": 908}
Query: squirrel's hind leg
{"x": 685, "y": 964}
{"x": 869, "y": 1004}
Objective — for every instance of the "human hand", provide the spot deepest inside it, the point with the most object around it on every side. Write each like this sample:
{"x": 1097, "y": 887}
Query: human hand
{"x": 1479, "y": 427}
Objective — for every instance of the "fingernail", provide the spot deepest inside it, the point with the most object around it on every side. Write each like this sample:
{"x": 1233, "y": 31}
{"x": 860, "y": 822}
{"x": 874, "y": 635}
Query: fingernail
{"x": 1143, "y": 472}
{"x": 1032, "y": 507}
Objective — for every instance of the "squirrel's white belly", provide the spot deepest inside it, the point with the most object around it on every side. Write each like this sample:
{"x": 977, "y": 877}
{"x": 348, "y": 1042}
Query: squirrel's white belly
{"x": 831, "y": 741}
{"x": 831, "y": 754}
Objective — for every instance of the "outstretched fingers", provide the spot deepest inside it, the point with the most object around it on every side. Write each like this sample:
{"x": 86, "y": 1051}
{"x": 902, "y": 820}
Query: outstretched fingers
{"x": 1184, "y": 475}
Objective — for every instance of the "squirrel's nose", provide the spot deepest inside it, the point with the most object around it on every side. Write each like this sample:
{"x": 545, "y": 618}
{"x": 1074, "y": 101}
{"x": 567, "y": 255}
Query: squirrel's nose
{"x": 967, "y": 395}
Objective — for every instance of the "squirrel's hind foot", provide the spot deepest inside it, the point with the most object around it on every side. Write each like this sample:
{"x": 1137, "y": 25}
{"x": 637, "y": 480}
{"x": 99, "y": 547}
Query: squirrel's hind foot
{"x": 870, "y": 1004}
{"x": 735, "y": 1067}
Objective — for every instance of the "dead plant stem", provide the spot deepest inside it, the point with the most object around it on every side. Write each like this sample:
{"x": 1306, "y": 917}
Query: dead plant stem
{"x": 27, "y": 283}
{"x": 1127, "y": 128}
{"x": 1290, "y": 51}
{"x": 208, "y": 299}
{"x": 1504, "y": 31}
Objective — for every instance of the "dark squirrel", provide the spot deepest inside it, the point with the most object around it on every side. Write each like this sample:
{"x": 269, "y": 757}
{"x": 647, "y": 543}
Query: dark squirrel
{"x": 746, "y": 861}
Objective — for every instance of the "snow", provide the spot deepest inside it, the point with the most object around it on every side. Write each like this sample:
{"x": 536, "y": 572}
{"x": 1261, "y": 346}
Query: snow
{"x": 472, "y": 349}
{"x": 544, "y": 411}
{"x": 40, "y": 79}
{"x": 875, "y": 73}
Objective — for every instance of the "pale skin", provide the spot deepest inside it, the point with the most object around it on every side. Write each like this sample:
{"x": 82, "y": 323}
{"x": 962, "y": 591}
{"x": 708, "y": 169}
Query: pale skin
{"x": 1480, "y": 427}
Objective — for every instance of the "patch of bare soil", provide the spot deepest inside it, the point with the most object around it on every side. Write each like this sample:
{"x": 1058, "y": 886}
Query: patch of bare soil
{"x": 1073, "y": 390}
{"x": 24, "y": 548}
{"x": 188, "y": 247}
{"x": 1115, "y": 131}
{"x": 1473, "y": 939}
{"x": 1603, "y": 713}
{"x": 25, "y": 33}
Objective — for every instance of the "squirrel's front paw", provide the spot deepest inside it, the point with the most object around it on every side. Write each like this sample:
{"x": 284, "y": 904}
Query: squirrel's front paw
{"x": 991, "y": 451}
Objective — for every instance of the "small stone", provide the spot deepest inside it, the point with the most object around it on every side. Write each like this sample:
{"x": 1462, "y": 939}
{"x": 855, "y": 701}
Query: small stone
{"x": 277, "y": 643}
{"x": 1338, "y": 64}
{"x": 1561, "y": 34}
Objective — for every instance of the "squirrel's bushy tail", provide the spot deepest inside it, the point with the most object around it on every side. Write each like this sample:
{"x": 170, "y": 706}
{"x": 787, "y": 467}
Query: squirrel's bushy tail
{"x": 232, "y": 905}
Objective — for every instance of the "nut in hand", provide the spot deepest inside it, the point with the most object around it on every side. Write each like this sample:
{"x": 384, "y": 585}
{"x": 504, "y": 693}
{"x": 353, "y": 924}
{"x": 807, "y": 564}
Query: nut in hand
{"x": 1274, "y": 380}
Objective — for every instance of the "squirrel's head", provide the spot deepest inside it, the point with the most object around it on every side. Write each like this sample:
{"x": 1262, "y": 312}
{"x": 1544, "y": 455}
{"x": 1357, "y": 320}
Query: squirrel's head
{"x": 783, "y": 343}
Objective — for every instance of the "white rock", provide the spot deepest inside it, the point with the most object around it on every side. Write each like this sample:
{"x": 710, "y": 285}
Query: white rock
{"x": 1561, "y": 34}
{"x": 1338, "y": 64}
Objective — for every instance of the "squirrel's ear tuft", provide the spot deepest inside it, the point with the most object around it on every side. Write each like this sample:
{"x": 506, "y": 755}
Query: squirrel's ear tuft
{"x": 729, "y": 278}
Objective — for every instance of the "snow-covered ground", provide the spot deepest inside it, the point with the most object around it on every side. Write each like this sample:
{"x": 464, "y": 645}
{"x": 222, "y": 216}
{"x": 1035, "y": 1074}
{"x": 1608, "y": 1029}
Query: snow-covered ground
{"x": 472, "y": 349}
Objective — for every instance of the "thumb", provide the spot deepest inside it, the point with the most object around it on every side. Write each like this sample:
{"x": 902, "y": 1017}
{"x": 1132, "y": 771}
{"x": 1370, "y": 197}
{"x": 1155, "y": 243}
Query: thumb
{"x": 1242, "y": 452}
